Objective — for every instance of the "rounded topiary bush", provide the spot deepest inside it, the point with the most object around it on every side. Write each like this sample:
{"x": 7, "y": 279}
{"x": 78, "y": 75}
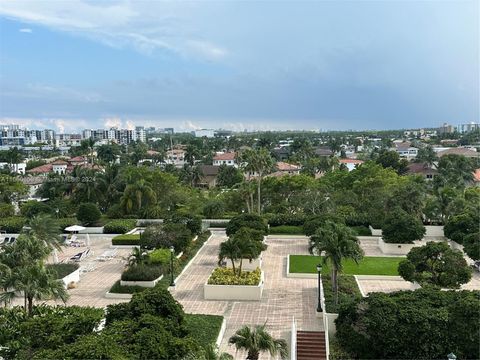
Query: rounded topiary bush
{"x": 252, "y": 221}
{"x": 402, "y": 228}
{"x": 88, "y": 213}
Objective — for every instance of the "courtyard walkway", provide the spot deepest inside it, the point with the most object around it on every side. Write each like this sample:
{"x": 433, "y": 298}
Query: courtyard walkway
{"x": 283, "y": 298}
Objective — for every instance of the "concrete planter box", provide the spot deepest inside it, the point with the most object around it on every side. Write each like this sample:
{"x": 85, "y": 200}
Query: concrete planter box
{"x": 72, "y": 277}
{"x": 395, "y": 249}
{"x": 148, "y": 284}
{"x": 246, "y": 264}
{"x": 110, "y": 295}
{"x": 234, "y": 292}
{"x": 330, "y": 320}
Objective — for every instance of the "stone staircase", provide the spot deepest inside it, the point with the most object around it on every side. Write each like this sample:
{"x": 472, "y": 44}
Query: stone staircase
{"x": 311, "y": 345}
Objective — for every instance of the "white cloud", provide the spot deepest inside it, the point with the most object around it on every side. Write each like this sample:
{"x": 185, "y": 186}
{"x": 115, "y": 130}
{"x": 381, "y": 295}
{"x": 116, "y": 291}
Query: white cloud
{"x": 26, "y": 30}
{"x": 146, "y": 27}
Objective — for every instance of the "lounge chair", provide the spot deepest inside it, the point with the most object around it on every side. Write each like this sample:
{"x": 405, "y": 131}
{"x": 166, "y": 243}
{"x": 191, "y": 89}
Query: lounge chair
{"x": 76, "y": 257}
{"x": 107, "y": 255}
{"x": 88, "y": 267}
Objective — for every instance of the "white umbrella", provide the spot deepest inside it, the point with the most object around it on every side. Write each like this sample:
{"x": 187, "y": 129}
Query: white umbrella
{"x": 75, "y": 228}
{"x": 55, "y": 256}
{"x": 88, "y": 240}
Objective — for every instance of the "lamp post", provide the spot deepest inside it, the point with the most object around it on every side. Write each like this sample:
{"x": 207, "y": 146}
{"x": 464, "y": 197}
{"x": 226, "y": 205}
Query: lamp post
{"x": 172, "y": 251}
{"x": 451, "y": 356}
{"x": 319, "y": 270}
{"x": 57, "y": 211}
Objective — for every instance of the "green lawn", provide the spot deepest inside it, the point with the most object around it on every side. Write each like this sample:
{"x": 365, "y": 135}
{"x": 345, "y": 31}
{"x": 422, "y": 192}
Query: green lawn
{"x": 370, "y": 265}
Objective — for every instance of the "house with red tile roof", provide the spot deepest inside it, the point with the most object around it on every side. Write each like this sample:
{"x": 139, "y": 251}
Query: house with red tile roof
{"x": 350, "y": 163}
{"x": 228, "y": 158}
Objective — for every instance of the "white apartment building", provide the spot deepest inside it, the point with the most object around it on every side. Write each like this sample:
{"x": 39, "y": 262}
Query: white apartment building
{"x": 228, "y": 159}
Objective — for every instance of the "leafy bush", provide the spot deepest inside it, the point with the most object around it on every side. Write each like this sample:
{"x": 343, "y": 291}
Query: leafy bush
{"x": 141, "y": 272}
{"x": 6, "y": 210}
{"x": 420, "y": 324}
{"x": 126, "y": 289}
{"x": 347, "y": 292}
{"x": 287, "y": 219}
{"x": 361, "y": 230}
{"x": 160, "y": 257}
{"x": 252, "y": 221}
{"x": 226, "y": 276}
{"x": 66, "y": 222}
{"x": 62, "y": 270}
{"x": 88, "y": 213}
{"x": 459, "y": 226}
{"x": 119, "y": 226}
{"x": 313, "y": 223}
{"x": 471, "y": 245}
{"x": 221, "y": 224}
{"x": 32, "y": 208}
{"x": 12, "y": 224}
{"x": 213, "y": 209}
{"x": 402, "y": 228}
{"x": 126, "y": 239}
{"x": 164, "y": 236}
{"x": 286, "y": 229}
{"x": 193, "y": 223}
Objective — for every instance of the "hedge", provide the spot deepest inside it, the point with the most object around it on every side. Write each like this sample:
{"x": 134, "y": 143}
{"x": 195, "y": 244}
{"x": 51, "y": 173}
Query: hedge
{"x": 222, "y": 224}
{"x": 62, "y": 270}
{"x": 66, "y": 222}
{"x": 286, "y": 229}
{"x": 12, "y": 225}
{"x": 203, "y": 328}
{"x": 126, "y": 289}
{"x": 126, "y": 239}
{"x": 361, "y": 230}
{"x": 226, "y": 276}
{"x": 141, "y": 273}
{"x": 287, "y": 219}
{"x": 119, "y": 226}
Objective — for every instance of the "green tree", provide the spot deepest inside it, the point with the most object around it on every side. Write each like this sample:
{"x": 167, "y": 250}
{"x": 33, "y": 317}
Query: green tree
{"x": 88, "y": 213}
{"x": 212, "y": 353}
{"x": 258, "y": 340}
{"x": 228, "y": 176}
{"x": 426, "y": 155}
{"x": 459, "y": 226}
{"x": 252, "y": 221}
{"x": 454, "y": 171}
{"x": 471, "y": 245}
{"x": 436, "y": 264}
{"x": 391, "y": 159}
{"x": 401, "y": 227}
{"x": 108, "y": 153}
{"x": 338, "y": 243}
{"x": 214, "y": 209}
{"x": 258, "y": 162}
{"x": 11, "y": 188}
{"x": 138, "y": 195}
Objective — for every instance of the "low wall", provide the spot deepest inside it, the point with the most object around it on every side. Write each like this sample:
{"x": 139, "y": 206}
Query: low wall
{"x": 110, "y": 295}
{"x": 375, "y": 232}
{"x": 330, "y": 320}
{"x": 221, "y": 332}
{"x": 148, "y": 284}
{"x": 234, "y": 292}
{"x": 403, "y": 249}
{"x": 92, "y": 230}
{"x": 72, "y": 277}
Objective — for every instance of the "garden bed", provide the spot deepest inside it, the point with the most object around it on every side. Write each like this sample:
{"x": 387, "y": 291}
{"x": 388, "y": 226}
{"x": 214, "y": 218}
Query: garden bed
{"x": 369, "y": 265}
{"x": 224, "y": 285}
{"x": 348, "y": 291}
{"x": 286, "y": 230}
{"x": 203, "y": 328}
{"x": 117, "y": 288}
{"x": 142, "y": 275}
{"x": 67, "y": 273}
{"x": 126, "y": 239}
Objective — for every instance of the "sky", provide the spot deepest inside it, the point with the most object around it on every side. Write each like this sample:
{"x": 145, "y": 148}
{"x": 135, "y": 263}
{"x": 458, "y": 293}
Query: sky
{"x": 256, "y": 65}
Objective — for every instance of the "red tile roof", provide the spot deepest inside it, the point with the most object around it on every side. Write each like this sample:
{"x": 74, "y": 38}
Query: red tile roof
{"x": 225, "y": 156}
{"x": 476, "y": 175}
{"x": 283, "y": 166}
{"x": 43, "y": 169}
{"x": 459, "y": 151}
{"x": 59, "y": 162}
{"x": 350, "y": 161}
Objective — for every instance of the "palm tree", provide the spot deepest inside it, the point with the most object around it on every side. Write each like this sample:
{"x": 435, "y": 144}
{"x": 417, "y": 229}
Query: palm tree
{"x": 44, "y": 228}
{"x": 191, "y": 154}
{"x": 229, "y": 250}
{"x": 258, "y": 340}
{"x": 138, "y": 195}
{"x": 260, "y": 163}
{"x": 212, "y": 353}
{"x": 337, "y": 242}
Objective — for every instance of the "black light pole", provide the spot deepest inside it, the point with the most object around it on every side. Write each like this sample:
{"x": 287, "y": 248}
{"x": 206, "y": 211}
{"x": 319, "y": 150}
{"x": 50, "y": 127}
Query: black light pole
{"x": 319, "y": 270}
{"x": 172, "y": 251}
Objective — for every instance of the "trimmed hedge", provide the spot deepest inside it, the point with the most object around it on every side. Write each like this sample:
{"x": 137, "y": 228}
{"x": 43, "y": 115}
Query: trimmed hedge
{"x": 62, "y": 270}
{"x": 361, "y": 230}
{"x": 287, "y": 219}
{"x": 203, "y": 328}
{"x": 126, "y": 239}
{"x": 119, "y": 226}
{"x": 121, "y": 289}
{"x": 222, "y": 224}
{"x": 286, "y": 229}
{"x": 12, "y": 225}
{"x": 142, "y": 273}
{"x": 226, "y": 276}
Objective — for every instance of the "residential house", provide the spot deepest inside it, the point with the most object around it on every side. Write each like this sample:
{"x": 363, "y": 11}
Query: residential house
{"x": 15, "y": 168}
{"x": 459, "y": 151}
{"x": 175, "y": 157}
{"x": 33, "y": 183}
{"x": 284, "y": 169}
{"x": 209, "y": 175}
{"x": 350, "y": 164}
{"x": 422, "y": 169}
{"x": 405, "y": 150}
{"x": 228, "y": 158}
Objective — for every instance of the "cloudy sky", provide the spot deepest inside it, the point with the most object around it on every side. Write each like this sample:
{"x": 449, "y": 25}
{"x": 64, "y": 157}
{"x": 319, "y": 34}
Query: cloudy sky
{"x": 75, "y": 64}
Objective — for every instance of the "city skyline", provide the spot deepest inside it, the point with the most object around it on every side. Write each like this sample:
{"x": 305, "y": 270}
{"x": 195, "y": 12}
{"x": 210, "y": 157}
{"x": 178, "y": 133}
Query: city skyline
{"x": 364, "y": 65}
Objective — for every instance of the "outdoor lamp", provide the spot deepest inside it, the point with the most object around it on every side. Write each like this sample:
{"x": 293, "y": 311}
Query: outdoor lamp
{"x": 451, "y": 356}
{"x": 319, "y": 270}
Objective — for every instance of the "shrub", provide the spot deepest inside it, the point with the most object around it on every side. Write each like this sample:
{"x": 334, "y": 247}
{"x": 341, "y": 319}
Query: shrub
{"x": 226, "y": 276}
{"x": 193, "y": 223}
{"x": 141, "y": 272}
{"x": 286, "y": 229}
{"x": 252, "y": 221}
{"x": 12, "y": 225}
{"x": 313, "y": 223}
{"x": 214, "y": 209}
{"x": 402, "y": 228}
{"x": 459, "y": 226}
{"x": 62, "y": 270}
{"x": 471, "y": 245}
{"x": 420, "y": 324}
{"x": 32, "y": 208}
{"x": 115, "y": 211}
{"x": 119, "y": 226}
{"x": 88, "y": 213}
{"x": 164, "y": 236}
{"x": 287, "y": 219}
{"x": 361, "y": 230}
{"x": 126, "y": 289}
{"x": 221, "y": 224}
{"x": 6, "y": 210}
{"x": 160, "y": 257}
{"x": 126, "y": 239}
{"x": 66, "y": 222}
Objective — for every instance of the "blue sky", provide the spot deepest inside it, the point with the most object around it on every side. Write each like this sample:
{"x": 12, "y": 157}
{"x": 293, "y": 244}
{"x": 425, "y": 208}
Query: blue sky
{"x": 239, "y": 64}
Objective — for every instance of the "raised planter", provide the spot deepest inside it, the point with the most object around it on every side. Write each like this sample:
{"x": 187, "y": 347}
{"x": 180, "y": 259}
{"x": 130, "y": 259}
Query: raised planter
{"x": 72, "y": 277}
{"x": 234, "y": 292}
{"x": 148, "y": 284}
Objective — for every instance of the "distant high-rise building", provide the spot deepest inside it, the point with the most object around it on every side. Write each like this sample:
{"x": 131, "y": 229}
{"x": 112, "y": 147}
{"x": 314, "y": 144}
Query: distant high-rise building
{"x": 466, "y": 128}
{"x": 209, "y": 133}
{"x": 446, "y": 129}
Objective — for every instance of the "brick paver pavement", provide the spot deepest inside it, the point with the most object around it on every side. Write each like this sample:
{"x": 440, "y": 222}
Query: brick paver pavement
{"x": 283, "y": 298}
